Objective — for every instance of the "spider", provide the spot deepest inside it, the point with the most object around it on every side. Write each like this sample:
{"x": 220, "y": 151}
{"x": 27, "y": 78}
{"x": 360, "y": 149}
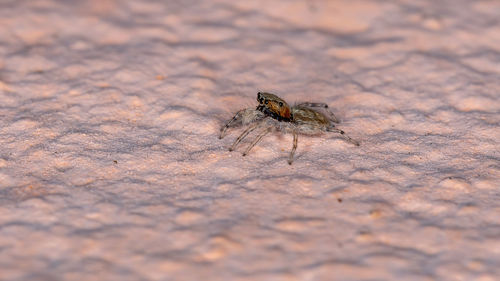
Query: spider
{"x": 273, "y": 113}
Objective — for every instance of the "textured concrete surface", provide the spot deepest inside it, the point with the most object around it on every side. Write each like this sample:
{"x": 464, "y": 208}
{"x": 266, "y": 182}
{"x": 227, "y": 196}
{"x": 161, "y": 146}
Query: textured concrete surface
{"x": 111, "y": 169}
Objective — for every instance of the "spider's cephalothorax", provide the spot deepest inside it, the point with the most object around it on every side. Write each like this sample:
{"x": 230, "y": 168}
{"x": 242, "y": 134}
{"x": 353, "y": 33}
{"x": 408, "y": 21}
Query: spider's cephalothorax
{"x": 273, "y": 113}
{"x": 273, "y": 106}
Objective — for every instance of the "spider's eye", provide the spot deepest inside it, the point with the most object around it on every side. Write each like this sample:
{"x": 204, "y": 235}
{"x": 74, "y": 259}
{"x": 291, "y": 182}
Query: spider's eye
{"x": 281, "y": 104}
{"x": 261, "y": 100}
{"x": 267, "y": 101}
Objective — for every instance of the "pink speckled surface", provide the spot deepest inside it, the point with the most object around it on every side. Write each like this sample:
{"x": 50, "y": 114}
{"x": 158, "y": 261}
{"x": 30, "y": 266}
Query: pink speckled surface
{"x": 111, "y": 169}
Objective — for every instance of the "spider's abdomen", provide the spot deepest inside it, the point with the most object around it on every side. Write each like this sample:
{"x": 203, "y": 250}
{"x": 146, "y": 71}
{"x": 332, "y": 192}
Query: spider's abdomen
{"x": 306, "y": 116}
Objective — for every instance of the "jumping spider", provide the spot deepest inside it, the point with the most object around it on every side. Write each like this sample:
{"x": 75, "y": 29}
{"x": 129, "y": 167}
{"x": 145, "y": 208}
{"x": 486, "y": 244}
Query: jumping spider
{"x": 273, "y": 113}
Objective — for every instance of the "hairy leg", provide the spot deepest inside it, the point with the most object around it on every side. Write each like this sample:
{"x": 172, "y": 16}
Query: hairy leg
{"x": 322, "y": 105}
{"x": 244, "y": 134}
{"x": 295, "y": 140}
{"x": 343, "y": 134}
{"x": 236, "y": 118}
{"x": 256, "y": 140}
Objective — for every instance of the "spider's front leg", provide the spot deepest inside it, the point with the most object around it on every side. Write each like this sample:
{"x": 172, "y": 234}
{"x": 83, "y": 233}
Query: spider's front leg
{"x": 244, "y": 116}
{"x": 237, "y": 118}
{"x": 333, "y": 118}
{"x": 257, "y": 139}
{"x": 245, "y": 133}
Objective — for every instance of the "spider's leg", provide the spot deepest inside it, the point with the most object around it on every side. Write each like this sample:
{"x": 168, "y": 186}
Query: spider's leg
{"x": 244, "y": 134}
{"x": 333, "y": 118}
{"x": 256, "y": 140}
{"x": 295, "y": 140}
{"x": 236, "y": 117}
{"x": 343, "y": 134}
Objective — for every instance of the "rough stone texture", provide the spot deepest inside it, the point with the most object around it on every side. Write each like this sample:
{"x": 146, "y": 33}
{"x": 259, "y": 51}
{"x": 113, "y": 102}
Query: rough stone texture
{"x": 110, "y": 166}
